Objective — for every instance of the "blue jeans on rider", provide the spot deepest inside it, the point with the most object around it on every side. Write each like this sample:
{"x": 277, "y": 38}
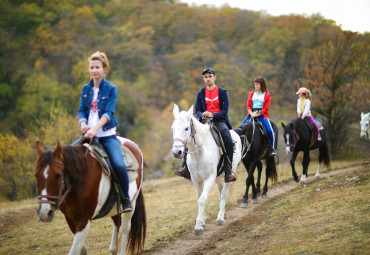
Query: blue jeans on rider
{"x": 226, "y": 137}
{"x": 266, "y": 123}
{"x": 114, "y": 150}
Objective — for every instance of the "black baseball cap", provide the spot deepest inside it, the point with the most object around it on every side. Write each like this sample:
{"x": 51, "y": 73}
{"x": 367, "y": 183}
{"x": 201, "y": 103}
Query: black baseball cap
{"x": 208, "y": 70}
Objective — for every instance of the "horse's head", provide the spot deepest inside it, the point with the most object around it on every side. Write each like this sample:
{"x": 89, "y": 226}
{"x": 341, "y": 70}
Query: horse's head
{"x": 49, "y": 177}
{"x": 182, "y": 131}
{"x": 290, "y": 136}
{"x": 365, "y": 119}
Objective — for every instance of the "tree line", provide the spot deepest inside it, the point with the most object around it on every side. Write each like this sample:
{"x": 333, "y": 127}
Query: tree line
{"x": 157, "y": 50}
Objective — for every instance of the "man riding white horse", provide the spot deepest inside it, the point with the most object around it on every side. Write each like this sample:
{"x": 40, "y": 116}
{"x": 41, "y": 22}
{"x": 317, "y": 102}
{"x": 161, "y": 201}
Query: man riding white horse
{"x": 213, "y": 102}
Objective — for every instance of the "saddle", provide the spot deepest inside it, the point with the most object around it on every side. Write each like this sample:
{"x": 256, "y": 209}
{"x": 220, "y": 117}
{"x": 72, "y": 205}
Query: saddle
{"x": 319, "y": 124}
{"x": 246, "y": 144}
{"x": 218, "y": 139}
{"x": 115, "y": 192}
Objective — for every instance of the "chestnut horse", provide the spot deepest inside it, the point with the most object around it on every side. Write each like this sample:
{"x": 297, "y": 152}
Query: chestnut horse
{"x": 70, "y": 178}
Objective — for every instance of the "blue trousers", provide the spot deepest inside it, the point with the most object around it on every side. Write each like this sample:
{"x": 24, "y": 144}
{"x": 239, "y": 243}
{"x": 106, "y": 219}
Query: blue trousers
{"x": 266, "y": 123}
{"x": 113, "y": 148}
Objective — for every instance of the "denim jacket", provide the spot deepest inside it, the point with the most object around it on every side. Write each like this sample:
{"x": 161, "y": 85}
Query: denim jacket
{"x": 200, "y": 105}
{"x": 107, "y": 98}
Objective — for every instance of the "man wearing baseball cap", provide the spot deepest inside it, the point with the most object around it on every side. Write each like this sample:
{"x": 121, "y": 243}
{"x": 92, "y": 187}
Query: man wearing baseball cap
{"x": 213, "y": 102}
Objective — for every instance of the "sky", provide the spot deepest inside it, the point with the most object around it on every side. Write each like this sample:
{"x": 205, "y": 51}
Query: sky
{"x": 351, "y": 15}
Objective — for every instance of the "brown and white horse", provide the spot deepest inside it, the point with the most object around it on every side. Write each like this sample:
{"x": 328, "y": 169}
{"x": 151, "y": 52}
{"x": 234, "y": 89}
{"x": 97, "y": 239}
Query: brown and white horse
{"x": 70, "y": 178}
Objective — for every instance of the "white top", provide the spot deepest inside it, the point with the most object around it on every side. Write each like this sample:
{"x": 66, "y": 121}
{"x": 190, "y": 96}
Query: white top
{"x": 307, "y": 107}
{"x": 258, "y": 99}
{"x": 94, "y": 117}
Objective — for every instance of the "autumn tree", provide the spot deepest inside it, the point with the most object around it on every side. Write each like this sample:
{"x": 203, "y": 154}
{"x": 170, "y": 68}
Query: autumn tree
{"x": 331, "y": 73}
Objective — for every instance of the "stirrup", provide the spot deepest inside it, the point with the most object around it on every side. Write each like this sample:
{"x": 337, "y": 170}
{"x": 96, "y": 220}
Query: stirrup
{"x": 183, "y": 173}
{"x": 230, "y": 177}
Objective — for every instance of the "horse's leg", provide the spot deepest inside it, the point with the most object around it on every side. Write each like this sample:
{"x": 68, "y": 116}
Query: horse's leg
{"x": 292, "y": 162}
{"x": 264, "y": 193}
{"x": 305, "y": 163}
{"x": 223, "y": 198}
{"x": 259, "y": 171}
{"x": 317, "y": 175}
{"x": 78, "y": 246}
{"x": 244, "y": 204}
{"x": 202, "y": 201}
{"x": 126, "y": 227}
{"x": 116, "y": 225}
{"x": 251, "y": 182}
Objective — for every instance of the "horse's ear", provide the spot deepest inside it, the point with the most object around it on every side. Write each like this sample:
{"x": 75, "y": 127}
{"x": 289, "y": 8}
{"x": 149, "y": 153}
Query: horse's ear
{"x": 58, "y": 153}
{"x": 282, "y": 124}
{"x": 190, "y": 111}
{"x": 362, "y": 115}
{"x": 39, "y": 148}
{"x": 175, "y": 110}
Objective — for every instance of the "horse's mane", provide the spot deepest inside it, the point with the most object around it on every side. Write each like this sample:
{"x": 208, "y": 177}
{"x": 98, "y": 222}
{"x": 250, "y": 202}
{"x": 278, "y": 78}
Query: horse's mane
{"x": 200, "y": 129}
{"x": 75, "y": 162}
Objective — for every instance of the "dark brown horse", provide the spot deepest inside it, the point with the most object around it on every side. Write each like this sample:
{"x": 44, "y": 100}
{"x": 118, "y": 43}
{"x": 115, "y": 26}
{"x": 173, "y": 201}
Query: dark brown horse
{"x": 298, "y": 137}
{"x": 70, "y": 178}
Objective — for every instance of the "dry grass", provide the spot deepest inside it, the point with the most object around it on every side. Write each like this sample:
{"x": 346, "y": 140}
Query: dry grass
{"x": 171, "y": 209}
{"x": 331, "y": 216}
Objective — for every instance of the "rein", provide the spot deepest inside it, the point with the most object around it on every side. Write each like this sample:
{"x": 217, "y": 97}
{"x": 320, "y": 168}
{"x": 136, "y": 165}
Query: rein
{"x": 295, "y": 137}
{"x": 246, "y": 139}
{"x": 57, "y": 200}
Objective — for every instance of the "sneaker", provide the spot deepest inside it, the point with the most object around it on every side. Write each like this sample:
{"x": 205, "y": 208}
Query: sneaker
{"x": 272, "y": 152}
{"x": 230, "y": 178}
{"x": 183, "y": 173}
{"x": 126, "y": 205}
{"x": 319, "y": 138}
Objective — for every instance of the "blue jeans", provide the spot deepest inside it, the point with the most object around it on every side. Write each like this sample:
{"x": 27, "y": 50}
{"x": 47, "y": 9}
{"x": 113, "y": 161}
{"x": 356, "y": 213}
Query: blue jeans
{"x": 114, "y": 150}
{"x": 266, "y": 123}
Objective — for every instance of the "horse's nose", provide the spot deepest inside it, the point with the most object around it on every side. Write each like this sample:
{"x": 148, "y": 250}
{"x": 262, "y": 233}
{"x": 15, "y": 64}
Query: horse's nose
{"x": 177, "y": 153}
{"x": 45, "y": 215}
{"x": 363, "y": 134}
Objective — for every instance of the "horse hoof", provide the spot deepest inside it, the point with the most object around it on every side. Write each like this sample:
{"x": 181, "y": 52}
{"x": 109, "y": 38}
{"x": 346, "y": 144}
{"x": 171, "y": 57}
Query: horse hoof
{"x": 220, "y": 222}
{"x": 198, "y": 231}
{"x": 317, "y": 176}
{"x": 254, "y": 201}
{"x": 244, "y": 205}
{"x": 296, "y": 178}
{"x": 264, "y": 196}
{"x": 83, "y": 250}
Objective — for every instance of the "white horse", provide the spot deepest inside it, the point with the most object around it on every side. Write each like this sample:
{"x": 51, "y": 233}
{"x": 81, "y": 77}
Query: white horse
{"x": 365, "y": 127}
{"x": 203, "y": 155}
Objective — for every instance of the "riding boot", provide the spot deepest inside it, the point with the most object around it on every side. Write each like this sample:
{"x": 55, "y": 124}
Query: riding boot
{"x": 183, "y": 173}
{"x": 229, "y": 176}
{"x": 272, "y": 152}
{"x": 126, "y": 205}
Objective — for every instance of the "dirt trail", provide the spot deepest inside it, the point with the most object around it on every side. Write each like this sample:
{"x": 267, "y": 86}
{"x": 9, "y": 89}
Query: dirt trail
{"x": 188, "y": 243}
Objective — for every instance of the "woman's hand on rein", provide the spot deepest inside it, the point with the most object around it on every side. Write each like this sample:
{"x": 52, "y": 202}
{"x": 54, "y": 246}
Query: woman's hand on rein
{"x": 84, "y": 128}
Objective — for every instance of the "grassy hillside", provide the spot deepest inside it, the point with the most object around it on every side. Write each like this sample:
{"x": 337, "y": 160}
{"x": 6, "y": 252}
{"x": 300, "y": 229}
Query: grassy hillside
{"x": 172, "y": 209}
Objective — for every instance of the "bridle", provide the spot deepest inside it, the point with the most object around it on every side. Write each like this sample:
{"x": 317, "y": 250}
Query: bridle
{"x": 185, "y": 143}
{"x": 295, "y": 138}
{"x": 57, "y": 200}
{"x": 366, "y": 131}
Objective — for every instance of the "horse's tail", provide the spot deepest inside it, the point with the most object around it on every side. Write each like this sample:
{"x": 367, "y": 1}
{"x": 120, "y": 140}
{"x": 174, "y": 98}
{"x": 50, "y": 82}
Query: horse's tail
{"x": 137, "y": 234}
{"x": 271, "y": 169}
{"x": 324, "y": 154}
